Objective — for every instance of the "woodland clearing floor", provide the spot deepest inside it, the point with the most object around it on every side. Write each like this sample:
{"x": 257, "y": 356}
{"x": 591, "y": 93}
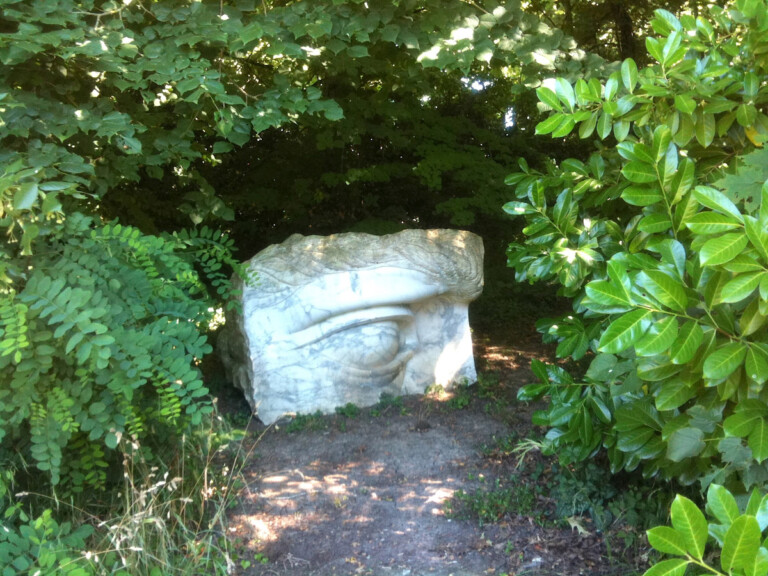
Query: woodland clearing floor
{"x": 368, "y": 494}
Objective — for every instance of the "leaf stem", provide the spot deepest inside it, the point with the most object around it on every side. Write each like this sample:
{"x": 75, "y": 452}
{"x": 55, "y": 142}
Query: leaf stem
{"x": 704, "y": 565}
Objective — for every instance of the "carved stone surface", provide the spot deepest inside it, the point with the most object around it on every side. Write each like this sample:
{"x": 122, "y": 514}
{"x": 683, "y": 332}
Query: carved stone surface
{"x": 344, "y": 318}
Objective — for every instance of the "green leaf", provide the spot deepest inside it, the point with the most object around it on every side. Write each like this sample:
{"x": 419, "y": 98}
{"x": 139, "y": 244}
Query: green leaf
{"x": 604, "y": 125}
{"x": 724, "y": 361}
{"x": 629, "y": 74}
{"x": 634, "y": 439}
{"x": 759, "y": 566}
{"x": 675, "y": 567}
{"x": 621, "y": 129}
{"x": 683, "y": 180}
{"x": 751, "y": 319}
{"x": 744, "y": 263}
{"x": 685, "y": 443}
{"x": 656, "y": 369}
{"x": 548, "y": 97}
{"x": 636, "y": 414}
{"x": 655, "y": 223}
{"x": 658, "y": 339}
{"x": 665, "y": 22}
{"x": 565, "y": 127}
{"x": 587, "y": 127}
{"x": 334, "y": 112}
{"x": 662, "y": 139}
{"x": 600, "y": 409}
{"x": 741, "y": 544}
{"x": 686, "y": 345}
{"x": 358, "y": 51}
{"x": 757, "y": 235}
{"x": 663, "y": 288}
{"x": 625, "y": 331}
{"x": 741, "y": 287}
{"x": 73, "y": 341}
{"x": 689, "y": 521}
{"x": 654, "y": 48}
{"x": 722, "y": 249}
{"x": 639, "y": 172}
{"x": 641, "y": 195}
{"x": 550, "y": 124}
{"x": 97, "y": 408}
{"x": 716, "y": 200}
{"x": 763, "y": 214}
{"x": 111, "y": 440}
{"x": 252, "y": 32}
{"x": 758, "y": 440}
{"x": 673, "y": 394}
{"x": 565, "y": 93}
{"x": 741, "y": 423}
{"x": 667, "y": 540}
{"x": 705, "y": 129}
{"x": 602, "y": 367}
{"x": 711, "y": 223}
{"x": 761, "y": 514}
{"x": 746, "y": 114}
{"x": 607, "y": 294}
{"x": 756, "y": 363}
{"x": 222, "y": 147}
{"x": 26, "y": 196}
{"x": 685, "y": 103}
{"x": 518, "y": 208}
{"x": 722, "y": 504}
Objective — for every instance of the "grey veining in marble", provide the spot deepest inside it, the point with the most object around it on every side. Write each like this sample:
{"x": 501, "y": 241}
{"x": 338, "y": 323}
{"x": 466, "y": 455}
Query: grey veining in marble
{"x": 344, "y": 318}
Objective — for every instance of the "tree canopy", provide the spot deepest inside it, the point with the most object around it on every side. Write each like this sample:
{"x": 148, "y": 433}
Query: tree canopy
{"x": 143, "y": 141}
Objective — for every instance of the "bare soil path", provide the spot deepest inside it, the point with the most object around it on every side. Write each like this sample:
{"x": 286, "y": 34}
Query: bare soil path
{"x": 369, "y": 494}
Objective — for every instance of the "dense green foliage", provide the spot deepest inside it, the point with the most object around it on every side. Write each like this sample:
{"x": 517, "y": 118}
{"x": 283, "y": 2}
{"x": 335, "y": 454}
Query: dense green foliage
{"x": 128, "y": 110}
{"x": 123, "y": 110}
{"x": 661, "y": 238}
{"x": 737, "y": 532}
{"x": 127, "y": 125}
{"x": 613, "y": 29}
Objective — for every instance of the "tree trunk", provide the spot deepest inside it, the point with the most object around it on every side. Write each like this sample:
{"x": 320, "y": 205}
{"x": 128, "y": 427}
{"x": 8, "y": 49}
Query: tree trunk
{"x": 625, "y": 32}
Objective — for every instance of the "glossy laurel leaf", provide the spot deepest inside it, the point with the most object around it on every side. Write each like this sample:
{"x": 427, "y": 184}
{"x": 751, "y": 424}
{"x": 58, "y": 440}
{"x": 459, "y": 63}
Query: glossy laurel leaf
{"x": 741, "y": 544}
{"x": 722, "y": 249}
{"x": 722, "y": 504}
{"x": 625, "y": 331}
{"x": 724, "y": 360}
{"x": 691, "y": 524}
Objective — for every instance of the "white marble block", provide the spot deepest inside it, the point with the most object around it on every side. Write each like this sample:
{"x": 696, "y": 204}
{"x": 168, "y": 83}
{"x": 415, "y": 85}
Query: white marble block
{"x": 344, "y": 318}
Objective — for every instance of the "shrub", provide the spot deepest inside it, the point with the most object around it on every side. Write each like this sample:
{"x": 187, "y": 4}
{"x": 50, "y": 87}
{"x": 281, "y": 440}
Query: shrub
{"x": 38, "y": 545}
{"x": 661, "y": 239}
{"x": 101, "y": 338}
{"x": 737, "y": 533}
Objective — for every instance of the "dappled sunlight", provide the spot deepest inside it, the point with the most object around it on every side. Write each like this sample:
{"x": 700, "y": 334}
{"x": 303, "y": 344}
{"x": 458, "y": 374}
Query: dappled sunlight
{"x": 281, "y": 498}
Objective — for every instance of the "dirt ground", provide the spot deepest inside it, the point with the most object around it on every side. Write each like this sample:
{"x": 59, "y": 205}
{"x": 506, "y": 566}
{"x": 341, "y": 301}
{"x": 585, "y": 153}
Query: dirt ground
{"x": 369, "y": 494}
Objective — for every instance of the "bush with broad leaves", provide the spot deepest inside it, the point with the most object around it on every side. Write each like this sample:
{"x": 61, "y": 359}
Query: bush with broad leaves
{"x": 661, "y": 239}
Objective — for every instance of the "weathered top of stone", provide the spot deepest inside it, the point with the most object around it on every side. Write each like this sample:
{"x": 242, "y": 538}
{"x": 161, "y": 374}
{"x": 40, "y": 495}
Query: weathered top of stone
{"x": 452, "y": 259}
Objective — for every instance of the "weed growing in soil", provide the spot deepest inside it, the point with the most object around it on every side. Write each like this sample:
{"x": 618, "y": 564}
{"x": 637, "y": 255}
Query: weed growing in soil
{"x": 258, "y": 558}
{"x": 462, "y": 397}
{"x": 488, "y": 506}
{"x": 501, "y": 447}
{"x": 389, "y": 403}
{"x": 349, "y": 410}
{"x": 302, "y": 422}
{"x": 591, "y": 490}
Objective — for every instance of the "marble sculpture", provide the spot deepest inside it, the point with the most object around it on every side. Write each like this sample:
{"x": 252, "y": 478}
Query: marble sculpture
{"x": 345, "y": 318}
